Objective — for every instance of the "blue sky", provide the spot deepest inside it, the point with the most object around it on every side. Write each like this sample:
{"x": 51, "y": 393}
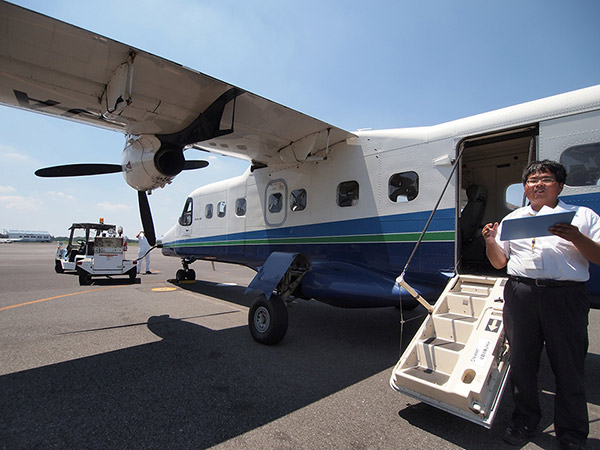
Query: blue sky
{"x": 390, "y": 64}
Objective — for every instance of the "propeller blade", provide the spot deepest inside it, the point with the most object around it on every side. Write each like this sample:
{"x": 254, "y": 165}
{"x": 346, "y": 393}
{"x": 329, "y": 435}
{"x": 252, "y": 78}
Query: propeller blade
{"x": 190, "y": 165}
{"x": 78, "y": 170}
{"x": 146, "y": 216}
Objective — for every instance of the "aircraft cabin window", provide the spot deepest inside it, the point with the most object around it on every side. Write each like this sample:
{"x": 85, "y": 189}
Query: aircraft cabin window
{"x": 221, "y": 209}
{"x": 240, "y": 207}
{"x": 275, "y": 202}
{"x": 583, "y": 164}
{"x": 403, "y": 187}
{"x": 186, "y": 216}
{"x": 513, "y": 197}
{"x": 298, "y": 200}
{"x": 347, "y": 193}
{"x": 208, "y": 212}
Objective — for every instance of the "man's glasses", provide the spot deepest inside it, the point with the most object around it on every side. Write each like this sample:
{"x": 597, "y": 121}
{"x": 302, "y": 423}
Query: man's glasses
{"x": 545, "y": 180}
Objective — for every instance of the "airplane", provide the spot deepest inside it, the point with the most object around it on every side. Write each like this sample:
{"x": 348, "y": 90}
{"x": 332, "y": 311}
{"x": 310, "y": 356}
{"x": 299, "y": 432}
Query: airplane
{"x": 368, "y": 218}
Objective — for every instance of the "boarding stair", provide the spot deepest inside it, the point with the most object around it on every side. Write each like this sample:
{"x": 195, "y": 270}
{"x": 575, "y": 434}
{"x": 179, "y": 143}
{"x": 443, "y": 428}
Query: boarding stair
{"x": 458, "y": 360}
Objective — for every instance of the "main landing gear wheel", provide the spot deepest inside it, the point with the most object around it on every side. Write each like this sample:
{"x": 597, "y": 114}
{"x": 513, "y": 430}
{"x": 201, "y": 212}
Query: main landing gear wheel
{"x": 268, "y": 319}
{"x": 182, "y": 275}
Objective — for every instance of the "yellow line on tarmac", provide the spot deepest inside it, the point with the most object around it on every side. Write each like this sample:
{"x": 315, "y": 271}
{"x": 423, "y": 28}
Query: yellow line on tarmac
{"x": 55, "y": 297}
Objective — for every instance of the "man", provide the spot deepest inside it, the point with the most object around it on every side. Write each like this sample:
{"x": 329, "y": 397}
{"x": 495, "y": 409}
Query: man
{"x": 143, "y": 252}
{"x": 546, "y": 303}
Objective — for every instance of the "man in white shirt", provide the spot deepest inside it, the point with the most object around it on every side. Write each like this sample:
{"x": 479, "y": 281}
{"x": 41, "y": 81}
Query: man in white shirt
{"x": 546, "y": 303}
{"x": 143, "y": 252}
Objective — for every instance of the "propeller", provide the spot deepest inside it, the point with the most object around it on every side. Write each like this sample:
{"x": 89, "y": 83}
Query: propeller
{"x": 168, "y": 157}
{"x": 191, "y": 165}
{"x": 146, "y": 217}
{"x": 80, "y": 170}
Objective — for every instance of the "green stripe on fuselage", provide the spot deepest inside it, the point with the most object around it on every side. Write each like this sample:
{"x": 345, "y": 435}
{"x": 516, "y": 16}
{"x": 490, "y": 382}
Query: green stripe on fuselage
{"x": 434, "y": 236}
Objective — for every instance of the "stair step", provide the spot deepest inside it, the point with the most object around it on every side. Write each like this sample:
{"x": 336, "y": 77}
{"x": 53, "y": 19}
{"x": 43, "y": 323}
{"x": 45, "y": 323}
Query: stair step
{"x": 438, "y": 354}
{"x": 428, "y": 375}
{"x": 476, "y": 289}
{"x": 463, "y": 304}
{"x": 442, "y": 343}
{"x": 453, "y": 327}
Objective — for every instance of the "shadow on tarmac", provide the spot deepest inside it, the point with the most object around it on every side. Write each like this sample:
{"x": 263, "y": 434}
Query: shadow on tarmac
{"x": 196, "y": 387}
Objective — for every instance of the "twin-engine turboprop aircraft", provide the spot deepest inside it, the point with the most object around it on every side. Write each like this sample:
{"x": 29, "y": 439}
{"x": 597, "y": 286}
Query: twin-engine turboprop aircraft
{"x": 321, "y": 213}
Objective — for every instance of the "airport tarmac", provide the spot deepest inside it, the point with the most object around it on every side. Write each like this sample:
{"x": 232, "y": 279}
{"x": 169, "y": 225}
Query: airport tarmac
{"x": 161, "y": 365}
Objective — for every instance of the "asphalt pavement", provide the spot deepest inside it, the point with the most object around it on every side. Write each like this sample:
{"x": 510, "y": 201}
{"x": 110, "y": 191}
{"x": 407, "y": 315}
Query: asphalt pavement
{"x": 158, "y": 365}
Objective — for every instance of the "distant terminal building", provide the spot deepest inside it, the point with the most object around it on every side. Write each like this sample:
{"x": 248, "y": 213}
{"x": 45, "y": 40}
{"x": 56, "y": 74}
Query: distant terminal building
{"x": 29, "y": 236}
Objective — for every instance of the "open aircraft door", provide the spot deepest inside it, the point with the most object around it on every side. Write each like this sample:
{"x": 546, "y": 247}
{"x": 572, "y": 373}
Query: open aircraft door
{"x": 458, "y": 360}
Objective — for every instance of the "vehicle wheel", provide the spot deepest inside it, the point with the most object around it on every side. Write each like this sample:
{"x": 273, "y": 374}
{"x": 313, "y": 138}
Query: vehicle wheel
{"x": 58, "y": 268}
{"x": 84, "y": 278}
{"x": 180, "y": 275}
{"x": 268, "y": 319}
{"x": 132, "y": 275}
{"x": 190, "y": 275}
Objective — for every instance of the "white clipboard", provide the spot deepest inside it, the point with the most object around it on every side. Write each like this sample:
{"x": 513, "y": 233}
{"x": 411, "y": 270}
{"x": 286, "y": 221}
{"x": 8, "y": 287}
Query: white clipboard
{"x": 533, "y": 226}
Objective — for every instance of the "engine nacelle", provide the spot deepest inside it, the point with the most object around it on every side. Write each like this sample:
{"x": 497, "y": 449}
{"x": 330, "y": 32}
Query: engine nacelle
{"x": 147, "y": 166}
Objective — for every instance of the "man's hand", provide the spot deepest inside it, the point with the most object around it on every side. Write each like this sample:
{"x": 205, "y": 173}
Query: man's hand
{"x": 490, "y": 231}
{"x": 566, "y": 231}
{"x": 493, "y": 251}
{"x": 588, "y": 248}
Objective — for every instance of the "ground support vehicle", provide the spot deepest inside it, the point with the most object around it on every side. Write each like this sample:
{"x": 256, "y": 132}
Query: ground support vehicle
{"x": 99, "y": 253}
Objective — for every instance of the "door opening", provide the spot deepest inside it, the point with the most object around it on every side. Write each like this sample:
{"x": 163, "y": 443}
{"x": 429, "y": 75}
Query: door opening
{"x": 490, "y": 187}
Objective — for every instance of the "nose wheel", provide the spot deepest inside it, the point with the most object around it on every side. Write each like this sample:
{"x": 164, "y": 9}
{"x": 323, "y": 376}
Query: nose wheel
{"x": 186, "y": 273}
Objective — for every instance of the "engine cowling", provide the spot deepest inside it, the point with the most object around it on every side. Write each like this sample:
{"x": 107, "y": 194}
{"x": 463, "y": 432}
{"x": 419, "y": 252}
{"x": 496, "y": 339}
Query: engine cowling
{"x": 147, "y": 166}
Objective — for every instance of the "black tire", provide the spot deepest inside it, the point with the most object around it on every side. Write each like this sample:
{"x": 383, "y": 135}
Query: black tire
{"x": 58, "y": 268}
{"x": 84, "y": 278}
{"x": 190, "y": 275}
{"x": 180, "y": 275}
{"x": 132, "y": 275}
{"x": 268, "y": 319}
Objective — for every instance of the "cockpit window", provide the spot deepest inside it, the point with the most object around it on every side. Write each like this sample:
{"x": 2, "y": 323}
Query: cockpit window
{"x": 186, "y": 216}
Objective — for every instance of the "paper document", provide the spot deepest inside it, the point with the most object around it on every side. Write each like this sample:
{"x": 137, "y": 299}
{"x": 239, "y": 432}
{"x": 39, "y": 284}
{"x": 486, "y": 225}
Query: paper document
{"x": 533, "y": 226}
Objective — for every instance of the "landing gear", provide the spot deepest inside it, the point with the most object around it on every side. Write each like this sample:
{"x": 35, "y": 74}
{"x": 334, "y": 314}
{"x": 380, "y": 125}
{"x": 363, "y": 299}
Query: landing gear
{"x": 186, "y": 273}
{"x": 268, "y": 319}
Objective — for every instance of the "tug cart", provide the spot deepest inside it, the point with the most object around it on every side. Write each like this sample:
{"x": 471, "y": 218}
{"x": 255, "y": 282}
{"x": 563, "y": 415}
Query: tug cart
{"x": 98, "y": 253}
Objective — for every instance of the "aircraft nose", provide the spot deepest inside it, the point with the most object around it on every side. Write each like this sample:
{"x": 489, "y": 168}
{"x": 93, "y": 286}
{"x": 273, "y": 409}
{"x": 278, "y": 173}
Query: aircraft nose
{"x": 169, "y": 236}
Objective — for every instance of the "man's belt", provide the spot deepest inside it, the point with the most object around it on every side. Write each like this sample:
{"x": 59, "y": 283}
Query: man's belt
{"x": 544, "y": 283}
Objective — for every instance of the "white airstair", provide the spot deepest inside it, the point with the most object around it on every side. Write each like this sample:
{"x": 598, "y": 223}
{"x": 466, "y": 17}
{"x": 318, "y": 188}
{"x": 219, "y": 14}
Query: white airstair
{"x": 459, "y": 359}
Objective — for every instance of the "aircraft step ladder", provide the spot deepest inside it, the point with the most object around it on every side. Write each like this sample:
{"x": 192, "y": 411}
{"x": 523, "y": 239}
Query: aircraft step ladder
{"x": 459, "y": 360}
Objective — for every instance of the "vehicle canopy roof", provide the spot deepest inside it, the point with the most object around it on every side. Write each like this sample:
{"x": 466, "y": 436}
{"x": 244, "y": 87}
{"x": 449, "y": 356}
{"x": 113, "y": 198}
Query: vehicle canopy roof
{"x": 93, "y": 226}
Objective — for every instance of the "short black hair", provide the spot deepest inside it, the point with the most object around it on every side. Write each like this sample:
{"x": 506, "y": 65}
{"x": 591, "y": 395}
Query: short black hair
{"x": 555, "y": 168}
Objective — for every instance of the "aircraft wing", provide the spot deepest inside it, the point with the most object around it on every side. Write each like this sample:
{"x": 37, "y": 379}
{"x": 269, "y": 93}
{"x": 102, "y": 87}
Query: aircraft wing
{"x": 52, "y": 67}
